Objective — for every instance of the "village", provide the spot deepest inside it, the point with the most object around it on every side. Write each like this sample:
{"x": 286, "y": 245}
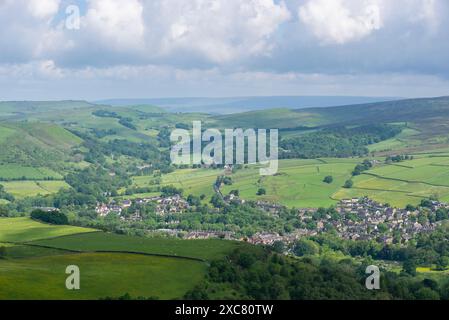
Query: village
{"x": 351, "y": 219}
{"x": 362, "y": 219}
{"x": 163, "y": 205}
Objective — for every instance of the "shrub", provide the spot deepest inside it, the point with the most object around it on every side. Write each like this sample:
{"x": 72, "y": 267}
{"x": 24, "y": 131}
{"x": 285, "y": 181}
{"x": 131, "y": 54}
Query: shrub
{"x": 328, "y": 179}
{"x": 52, "y": 217}
{"x": 349, "y": 184}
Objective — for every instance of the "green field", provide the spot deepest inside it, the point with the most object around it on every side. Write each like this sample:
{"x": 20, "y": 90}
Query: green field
{"x": 192, "y": 181}
{"x": 197, "y": 249}
{"x": 36, "y": 257}
{"x": 5, "y": 133}
{"x": 299, "y": 183}
{"x": 401, "y": 141}
{"x": 23, "y": 189}
{"x": 404, "y": 183}
{"x": 13, "y": 172}
{"x": 25, "y": 229}
{"x": 101, "y": 274}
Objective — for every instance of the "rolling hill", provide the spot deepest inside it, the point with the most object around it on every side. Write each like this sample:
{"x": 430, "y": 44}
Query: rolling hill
{"x": 240, "y": 104}
{"x": 428, "y": 119}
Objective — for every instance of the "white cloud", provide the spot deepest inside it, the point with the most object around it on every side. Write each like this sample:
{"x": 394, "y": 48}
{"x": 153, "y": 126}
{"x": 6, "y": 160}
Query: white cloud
{"x": 199, "y": 44}
{"x": 43, "y": 9}
{"x": 345, "y": 21}
{"x": 117, "y": 22}
{"x": 218, "y": 30}
{"x": 25, "y": 27}
{"x": 341, "y": 21}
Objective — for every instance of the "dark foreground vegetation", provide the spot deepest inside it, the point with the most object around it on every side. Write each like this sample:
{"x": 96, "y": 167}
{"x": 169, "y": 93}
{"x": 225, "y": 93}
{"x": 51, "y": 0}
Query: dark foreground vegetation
{"x": 256, "y": 273}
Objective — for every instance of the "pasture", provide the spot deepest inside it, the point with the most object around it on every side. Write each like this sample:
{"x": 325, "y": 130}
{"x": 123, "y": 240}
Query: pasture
{"x": 192, "y": 181}
{"x": 407, "y": 138}
{"x": 299, "y": 183}
{"x": 15, "y": 172}
{"x": 197, "y": 249}
{"x": 25, "y": 229}
{"x": 403, "y": 183}
{"x": 102, "y": 275}
{"x": 36, "y": 256}
{"x": 23, "y": 189}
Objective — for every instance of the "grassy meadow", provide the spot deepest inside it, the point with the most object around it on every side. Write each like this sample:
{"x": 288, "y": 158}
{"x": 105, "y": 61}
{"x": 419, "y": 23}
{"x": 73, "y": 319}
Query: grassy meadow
{"x": 23, "y": 189}
{"x": 25, "y": 229}
{"x": 299, "y": 183}
{"x": 404, "y": 183}
{"x": 14, "y": 172}
{"x": 36, "y": 255}
{"x": 102, "y": 275}
{"x": 196, "y": 249}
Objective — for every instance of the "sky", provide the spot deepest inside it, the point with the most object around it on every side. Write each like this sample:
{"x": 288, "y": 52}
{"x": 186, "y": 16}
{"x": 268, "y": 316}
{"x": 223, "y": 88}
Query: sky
{"x": 104, "y": 49}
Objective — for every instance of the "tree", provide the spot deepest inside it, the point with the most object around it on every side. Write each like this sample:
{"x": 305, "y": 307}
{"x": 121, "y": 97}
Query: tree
{"x": 426, "y": 203}
{"x": 227, "y": 181}
{"x": 442, "y": 263}
{"x": 217, "y": 201}
{"x": 409, "y": 267}
{"x": 52, "y": 217}
{"x": 427, "y": 294}
{"x": 235, "y": 193}
{"x": 328, "y": 179}
{"x": 305, "y": 247}
{"x": 261, "y": 192}
{"x": 193, "y": 200}
{"x": 349, "y": 184}
{"x": 278, "y": 246}
{"x": 382, "y": 227}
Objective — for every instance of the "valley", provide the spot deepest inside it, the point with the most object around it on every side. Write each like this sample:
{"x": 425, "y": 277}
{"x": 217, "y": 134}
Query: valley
{"x": 140, "y": 227}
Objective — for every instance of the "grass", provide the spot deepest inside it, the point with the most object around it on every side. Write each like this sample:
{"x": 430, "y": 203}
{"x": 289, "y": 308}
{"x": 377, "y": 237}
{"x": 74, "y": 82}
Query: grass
{"x": 403, "y": 140}
{"x": 192, "y": 181}
{"x": 142, "y": 267}
{"x": 197, "y": 249}
{"x": 23, "y": 189}
{"x": 5, "y": 133}
{"x": 52, "y": 135}
{"x": 14, "y": 171}
{"x": 101, "y": 275}
{"x": 299, "y": 183}
{"x": 404, "y": 183}
{"x": 25, "y": 229}
{"x": 18, "y": 251}
{"x": 272, "y": 119}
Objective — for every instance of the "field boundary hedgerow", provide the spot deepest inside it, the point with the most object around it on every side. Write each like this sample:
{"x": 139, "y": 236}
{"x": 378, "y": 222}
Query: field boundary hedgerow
{"x": 104, "y": 251}
{"x": 403, "y": 180}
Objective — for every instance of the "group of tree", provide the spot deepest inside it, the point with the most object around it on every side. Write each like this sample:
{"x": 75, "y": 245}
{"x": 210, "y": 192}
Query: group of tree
{"x": 262, "y": 274}
{"x": 361, "y": 167}
{"x": 337, "y": 142}
{"x": 398, "y": 158}
{"x": 5, "y": 195}
{"x": 124, "y": 121}
{"x": 51, "y": 217}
